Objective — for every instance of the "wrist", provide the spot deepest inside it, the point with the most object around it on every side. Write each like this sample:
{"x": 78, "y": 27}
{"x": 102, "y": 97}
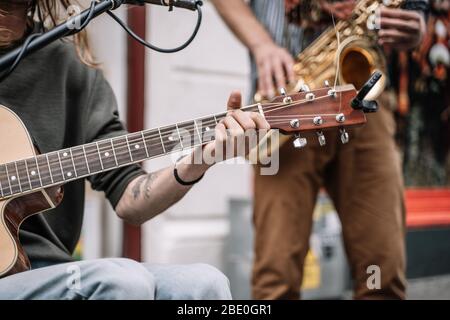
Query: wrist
{"x": 187, "y": 169}
{"x": 257, "y": 44}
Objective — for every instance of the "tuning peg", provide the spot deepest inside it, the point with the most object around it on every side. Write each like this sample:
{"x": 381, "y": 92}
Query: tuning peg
{"x": 287, "y": 99}
{"x": 304, "y": 88}
{"x": 299, "y": 142}
{"x": 321, "y": 137}
{"x": 340, "y": 118}
{"x": 344, "y": 136}
{"x": 318, "y": 121}
{"x": 332, "y": 93}
{"x": 295, "y": 123}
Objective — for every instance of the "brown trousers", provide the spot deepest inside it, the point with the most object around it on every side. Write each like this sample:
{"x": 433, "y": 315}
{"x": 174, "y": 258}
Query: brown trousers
{"x": 363, "y": 178}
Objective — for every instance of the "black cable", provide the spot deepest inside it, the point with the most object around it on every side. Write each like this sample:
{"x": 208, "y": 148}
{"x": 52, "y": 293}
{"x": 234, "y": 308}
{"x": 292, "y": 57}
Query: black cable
{"x": 198, "y": 4}
{"x": 19, "y": 56}
{"x": 88, "y": 19}
{"x": 30, "y": 38}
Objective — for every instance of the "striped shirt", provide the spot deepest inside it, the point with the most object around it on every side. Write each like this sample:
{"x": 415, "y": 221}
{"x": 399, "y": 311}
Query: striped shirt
{"x": 272, "y": 15}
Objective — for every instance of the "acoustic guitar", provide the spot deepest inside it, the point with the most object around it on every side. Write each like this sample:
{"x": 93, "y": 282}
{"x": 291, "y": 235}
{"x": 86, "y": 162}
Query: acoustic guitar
{"x": 31, "y": 183}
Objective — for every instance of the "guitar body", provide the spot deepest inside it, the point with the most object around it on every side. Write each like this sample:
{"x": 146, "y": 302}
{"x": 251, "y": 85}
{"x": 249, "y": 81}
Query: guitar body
{"x": 15, "y": 143}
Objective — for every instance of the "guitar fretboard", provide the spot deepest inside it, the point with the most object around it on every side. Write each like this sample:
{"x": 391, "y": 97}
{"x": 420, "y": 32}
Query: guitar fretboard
{"x": 60, "y": 167}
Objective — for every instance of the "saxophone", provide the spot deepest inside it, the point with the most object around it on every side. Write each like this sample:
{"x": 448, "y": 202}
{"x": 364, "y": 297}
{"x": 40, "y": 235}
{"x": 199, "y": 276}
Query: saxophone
{"x": 347, "y": 53}
{"x": 353, "y": 58}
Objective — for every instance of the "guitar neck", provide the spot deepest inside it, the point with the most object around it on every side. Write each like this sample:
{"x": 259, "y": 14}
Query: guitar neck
{"x": 59, "y": 167}
{"x": 316, "y": 110}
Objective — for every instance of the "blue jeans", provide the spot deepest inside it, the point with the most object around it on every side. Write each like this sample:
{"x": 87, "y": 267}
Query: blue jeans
{"x": 117, "y": 279}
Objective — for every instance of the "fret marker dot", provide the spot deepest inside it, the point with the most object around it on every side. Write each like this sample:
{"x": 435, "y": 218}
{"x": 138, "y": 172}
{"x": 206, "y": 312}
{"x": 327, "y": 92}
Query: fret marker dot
{"x": 207, "y": 129}
{"x": 106, "y": 154}
{"x": 171, "y": 138}
{"x": 69, "y": 174}
{"x": 136, "y": 146}
{"x": 13, "y": 178}
{"x": 33, "y": 173}
{"x": 65, "y": 154}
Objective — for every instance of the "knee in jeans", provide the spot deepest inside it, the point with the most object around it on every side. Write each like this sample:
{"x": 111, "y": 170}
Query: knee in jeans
{"x": 210, "y": 283}
{"x": 123, "y": 279}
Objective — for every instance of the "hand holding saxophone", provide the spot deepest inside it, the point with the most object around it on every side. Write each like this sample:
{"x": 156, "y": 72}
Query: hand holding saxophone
{"x": 400, "y": 29}
{"x": 275, "y": 68}
{"x": 341, "y": 10}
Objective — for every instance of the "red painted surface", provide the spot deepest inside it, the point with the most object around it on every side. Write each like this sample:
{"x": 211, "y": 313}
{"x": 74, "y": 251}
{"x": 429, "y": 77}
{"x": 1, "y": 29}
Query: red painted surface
{"x": 135, "y": 109}
{"x": 427, "y": 207}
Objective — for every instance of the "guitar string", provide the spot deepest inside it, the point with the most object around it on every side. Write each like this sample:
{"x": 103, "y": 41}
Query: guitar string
{"x": 76, "y": 164}
{"x": 61, "y": 175}
{"x": 209, "y": 123}
{"x": 128, "y": 154}
{"x": 101, "y": 148}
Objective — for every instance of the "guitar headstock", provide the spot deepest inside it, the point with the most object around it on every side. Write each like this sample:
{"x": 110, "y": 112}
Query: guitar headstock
{"x": 316, "y": 110}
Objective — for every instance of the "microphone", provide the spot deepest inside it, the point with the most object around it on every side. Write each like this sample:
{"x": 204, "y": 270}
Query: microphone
{"x": 185, "y": 4}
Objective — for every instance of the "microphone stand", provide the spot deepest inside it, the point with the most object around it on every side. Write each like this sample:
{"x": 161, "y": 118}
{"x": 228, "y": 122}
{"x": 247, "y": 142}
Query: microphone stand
{"x": 56, "y": 33}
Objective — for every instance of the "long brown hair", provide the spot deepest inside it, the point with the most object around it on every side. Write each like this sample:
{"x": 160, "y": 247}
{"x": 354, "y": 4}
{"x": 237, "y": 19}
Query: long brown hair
{"x": 49, "y": 13}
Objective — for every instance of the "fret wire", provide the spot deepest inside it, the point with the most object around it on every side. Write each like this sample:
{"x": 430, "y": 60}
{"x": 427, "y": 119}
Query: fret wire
{"x": 129, "y": 150}
{"x": 60, "y": 165}
{"x": 49, "y": 168}
{"x": 145, "y": 144}
{"x": 191, "y": 129}
{"x": 7, "y": 177}
{"x": 39, "y": 171}
{"x": 18, "y": 177}
{"x": 86, "y": 159}
{"x": 73, "y": 162}
{"x": 99, "y": 155}
{"x": 162, "y": 141}
{"x": 114, "y": 152}
{"x": 28, "y": 174}
{"x": 179, "y": 136}
{"x": 85, "y": 155}
{"x": 71, "y": 179}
